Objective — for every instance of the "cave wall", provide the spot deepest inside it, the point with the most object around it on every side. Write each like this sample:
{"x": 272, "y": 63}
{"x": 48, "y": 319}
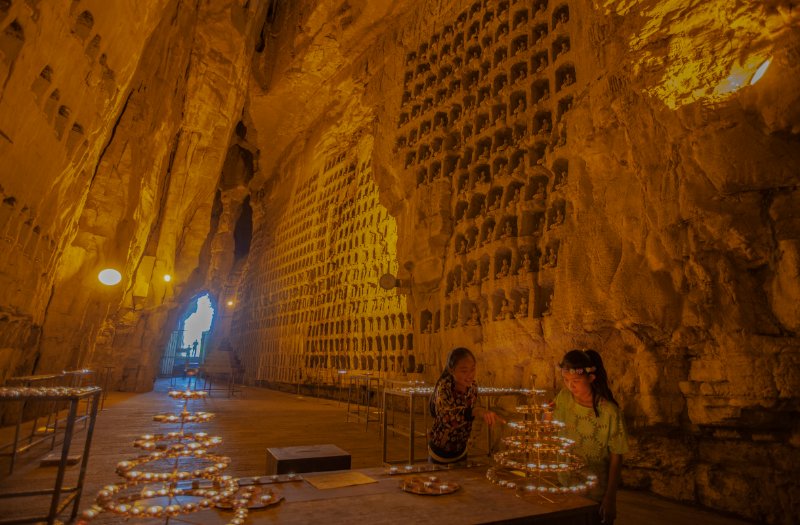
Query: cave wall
{"x": 60, "y": 98}
{"x": 538, "y": 175}
{"x": 580, "y": 174}
{"x": 116, "y": 123}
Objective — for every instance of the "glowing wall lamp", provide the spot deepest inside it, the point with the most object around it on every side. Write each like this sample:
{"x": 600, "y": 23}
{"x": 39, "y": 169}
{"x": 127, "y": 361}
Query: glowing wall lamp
{"x": 388, "y": 281}
{"x": 109, "y": 276}
{"x": 760, "y": 71}
{"x": 230, "y": 303}
{"x": 167, "y": 278}
{"x": 741, "y": 75}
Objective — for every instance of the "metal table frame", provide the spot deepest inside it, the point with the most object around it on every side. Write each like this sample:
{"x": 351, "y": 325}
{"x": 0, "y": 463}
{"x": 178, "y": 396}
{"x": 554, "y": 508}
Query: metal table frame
{"x": 45, "y": 380}
{"x": 358, "y": 381}
{"x": 412, "y": 394}
{"x": 414, "y": 391}
{"x": 74, "y": 397}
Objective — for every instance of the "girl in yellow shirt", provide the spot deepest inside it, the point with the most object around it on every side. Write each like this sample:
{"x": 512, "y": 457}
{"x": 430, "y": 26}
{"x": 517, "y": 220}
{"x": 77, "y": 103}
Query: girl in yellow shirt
{"x": 594, "y": 421}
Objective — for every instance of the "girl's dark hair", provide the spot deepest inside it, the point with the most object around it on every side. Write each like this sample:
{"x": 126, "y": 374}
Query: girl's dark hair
{"x": 453, "y": 358}
{"x": 583, "y": 359}
{"x": 455, "y": 355}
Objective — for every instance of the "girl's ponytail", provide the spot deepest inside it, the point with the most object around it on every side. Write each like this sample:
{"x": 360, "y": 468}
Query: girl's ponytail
{"x": 600, "y": 383}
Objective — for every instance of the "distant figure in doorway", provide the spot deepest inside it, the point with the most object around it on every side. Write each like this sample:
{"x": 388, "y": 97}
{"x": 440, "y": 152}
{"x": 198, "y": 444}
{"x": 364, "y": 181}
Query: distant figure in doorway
{"x": 454, "y": 406}
{"x": 594, "y": 420}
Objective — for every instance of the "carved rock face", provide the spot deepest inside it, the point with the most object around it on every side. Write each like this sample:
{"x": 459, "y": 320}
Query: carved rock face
{"x": 540, "y": 176}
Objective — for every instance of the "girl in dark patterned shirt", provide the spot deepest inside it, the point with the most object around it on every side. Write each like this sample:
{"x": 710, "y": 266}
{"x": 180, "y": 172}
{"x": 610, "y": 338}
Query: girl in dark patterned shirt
{"x": 454, "y": 405}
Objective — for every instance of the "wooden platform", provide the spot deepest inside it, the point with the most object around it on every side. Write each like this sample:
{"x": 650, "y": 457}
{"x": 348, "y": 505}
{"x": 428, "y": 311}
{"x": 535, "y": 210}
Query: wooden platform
{"x": 477, "y": 501}
{"x": 263, "y": 418}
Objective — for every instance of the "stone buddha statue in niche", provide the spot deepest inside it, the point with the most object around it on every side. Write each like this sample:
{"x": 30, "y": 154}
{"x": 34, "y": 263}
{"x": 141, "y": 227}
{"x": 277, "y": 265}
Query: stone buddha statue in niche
{"x": 508, "y": 231}
{"x": 538, "y": 193}
{"x": 476, "y": 277}
{"x": 502, "y": 56}
{"x": 562, "y": 134}
{"x": 545, "y": 126}
{"x": 557, "y": 219}
{"x": 514, "y": 201}
{"x": 547, "y": 304}
{"x": 551, "y": 258}
{"x": 474, "y": 317}
{"x": 506, "y": 311}
{"x": 520, "y": 107}
{"x": 502, "y": 171}
{"x": 500, "y": 121}
{"x": 562, "y": 180}
{"x": 522, "y": 310}
{"x": 503, "y": 91}
{"x": 503, "y": 270}
{"x": 545, "y": 95}
{"x": 524, "y": 265}
{"x": 489, "y": 234}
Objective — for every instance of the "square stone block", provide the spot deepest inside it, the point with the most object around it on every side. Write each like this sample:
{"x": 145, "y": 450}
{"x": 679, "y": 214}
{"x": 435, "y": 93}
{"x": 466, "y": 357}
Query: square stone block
{"x": 308, "y": 458}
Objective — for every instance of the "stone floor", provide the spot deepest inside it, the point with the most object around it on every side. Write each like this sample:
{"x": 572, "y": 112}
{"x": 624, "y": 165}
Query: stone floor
{"x": 260, "y": 418}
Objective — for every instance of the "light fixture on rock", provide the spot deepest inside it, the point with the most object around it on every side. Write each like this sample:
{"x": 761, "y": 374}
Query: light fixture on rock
{"x": 760, "y": 71}
{"x": 109, "y": 276}
{"x": 388, "y": 281}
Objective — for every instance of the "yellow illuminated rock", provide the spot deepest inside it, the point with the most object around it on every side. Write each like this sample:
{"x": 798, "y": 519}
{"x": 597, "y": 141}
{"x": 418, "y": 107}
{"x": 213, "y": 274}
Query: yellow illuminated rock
{"x": 535, "y": 175}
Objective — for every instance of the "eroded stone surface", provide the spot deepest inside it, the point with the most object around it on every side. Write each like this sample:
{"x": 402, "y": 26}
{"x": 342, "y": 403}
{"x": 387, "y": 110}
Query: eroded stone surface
{"x": 581, "y": 174}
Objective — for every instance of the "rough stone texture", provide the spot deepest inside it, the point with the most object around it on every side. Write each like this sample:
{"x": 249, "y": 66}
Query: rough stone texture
{"x": 657, "y": 237}
{"x": 614, "y": 182}
{"x": 134, "y": 106}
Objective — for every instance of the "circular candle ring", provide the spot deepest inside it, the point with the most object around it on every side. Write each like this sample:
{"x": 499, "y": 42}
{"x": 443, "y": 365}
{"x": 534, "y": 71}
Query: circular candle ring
{"x": 177, "y": 440}
{"x": 187, "y": 394}
{"x": 184, "y": 417}
{"x": 109, "y": 500}
{"x": 126, "y": 469}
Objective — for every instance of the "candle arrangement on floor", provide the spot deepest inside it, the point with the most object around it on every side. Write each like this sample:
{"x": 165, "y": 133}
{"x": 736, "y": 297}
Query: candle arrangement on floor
{"x": 536, "y": 459}
{"x": 177, "y": 475}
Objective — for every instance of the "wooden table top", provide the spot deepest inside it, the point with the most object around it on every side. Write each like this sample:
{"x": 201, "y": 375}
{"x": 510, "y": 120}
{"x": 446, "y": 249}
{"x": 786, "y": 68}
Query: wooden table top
{"x": 477, "y": 501}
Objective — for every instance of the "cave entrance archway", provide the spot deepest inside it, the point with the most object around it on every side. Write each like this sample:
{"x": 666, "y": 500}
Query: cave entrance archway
{"x": 187, "y": 345}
